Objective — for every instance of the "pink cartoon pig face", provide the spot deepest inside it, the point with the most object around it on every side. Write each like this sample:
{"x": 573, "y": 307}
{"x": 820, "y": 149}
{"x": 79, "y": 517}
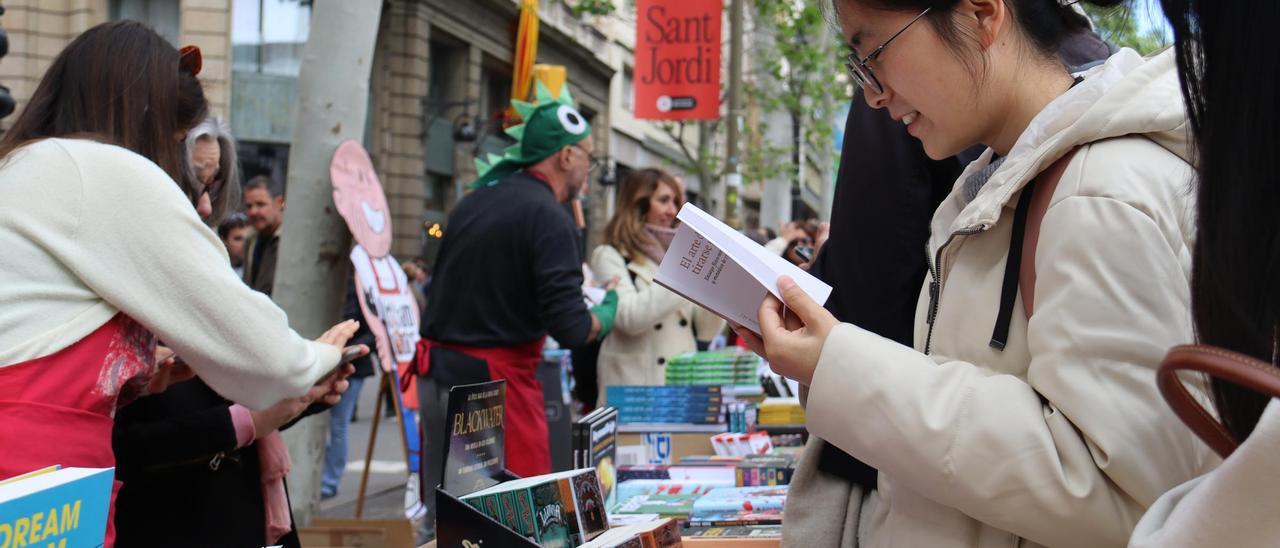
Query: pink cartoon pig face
{"x": 359, "y": 197}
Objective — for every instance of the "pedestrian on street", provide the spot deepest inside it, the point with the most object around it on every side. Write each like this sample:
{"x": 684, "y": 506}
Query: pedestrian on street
{"x": 653, "y": 324}
{"x": 508, "y": 274}
{"x": 104, "y": 253}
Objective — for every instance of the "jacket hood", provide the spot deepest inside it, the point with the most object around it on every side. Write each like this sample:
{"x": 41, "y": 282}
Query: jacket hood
{"x": 1127, "y": 95}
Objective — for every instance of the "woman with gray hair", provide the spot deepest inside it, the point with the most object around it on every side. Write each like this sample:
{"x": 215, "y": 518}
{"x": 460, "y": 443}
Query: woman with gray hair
{"x": 213, "y": 170}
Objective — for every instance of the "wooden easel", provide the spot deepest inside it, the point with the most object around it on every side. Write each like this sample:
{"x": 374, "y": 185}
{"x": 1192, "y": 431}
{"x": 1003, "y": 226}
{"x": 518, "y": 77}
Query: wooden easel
{"x": 386, "y": 386}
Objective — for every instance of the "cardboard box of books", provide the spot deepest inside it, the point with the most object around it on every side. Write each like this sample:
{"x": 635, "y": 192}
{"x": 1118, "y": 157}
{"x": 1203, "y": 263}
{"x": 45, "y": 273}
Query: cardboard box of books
{"x": 56, "y": 507}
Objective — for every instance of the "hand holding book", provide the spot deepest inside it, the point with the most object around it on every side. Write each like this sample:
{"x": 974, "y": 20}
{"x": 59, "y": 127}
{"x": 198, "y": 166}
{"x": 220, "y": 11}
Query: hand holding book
{"x": 793, "y": 332}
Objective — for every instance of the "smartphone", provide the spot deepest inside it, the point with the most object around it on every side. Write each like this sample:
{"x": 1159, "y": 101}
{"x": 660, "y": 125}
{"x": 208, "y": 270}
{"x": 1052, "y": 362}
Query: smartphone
{"x": 349, "y": 354}
{"x": 805, "y": 253}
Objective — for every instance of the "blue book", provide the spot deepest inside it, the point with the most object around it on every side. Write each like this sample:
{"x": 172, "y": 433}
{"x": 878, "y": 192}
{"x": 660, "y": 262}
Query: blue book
{"x": 53, "y": 507}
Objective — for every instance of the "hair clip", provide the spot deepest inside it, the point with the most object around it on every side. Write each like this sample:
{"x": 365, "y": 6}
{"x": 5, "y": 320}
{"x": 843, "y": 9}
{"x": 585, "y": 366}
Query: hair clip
{"x": 190, "y": 60}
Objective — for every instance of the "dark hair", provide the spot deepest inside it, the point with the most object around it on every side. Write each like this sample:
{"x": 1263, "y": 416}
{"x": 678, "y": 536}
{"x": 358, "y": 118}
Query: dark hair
{"x": 265, "y": 183}
{"x": 1046, "y": 23}
{"x": 233, "y": 221}
{"x": 118, "y": 83}
{"x": 1229, "y": 81}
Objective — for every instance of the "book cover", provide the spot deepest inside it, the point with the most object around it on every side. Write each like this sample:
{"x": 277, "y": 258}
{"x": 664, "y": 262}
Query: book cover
{"x": 66, "y": 507}
{"x": 633, "y": 488}
{"x": 735, "y": 531}
{"x": 737, "y": 499}
{"x": 524, "y": 514}
{"x": 772, "y": 516}
{"x": 667, "y": 506}
{"x": 603, "y": 452}
{"x": 590, "y": 503}
{"x": 475, "y": 437}
{"x": 554, "y": 516}
{"x": 725, "y": 272}
{"x": 510, "y": 517}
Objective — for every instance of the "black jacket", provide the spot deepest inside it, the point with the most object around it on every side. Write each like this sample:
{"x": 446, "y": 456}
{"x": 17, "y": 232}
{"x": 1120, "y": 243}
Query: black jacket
{"x": 185, "y": 483}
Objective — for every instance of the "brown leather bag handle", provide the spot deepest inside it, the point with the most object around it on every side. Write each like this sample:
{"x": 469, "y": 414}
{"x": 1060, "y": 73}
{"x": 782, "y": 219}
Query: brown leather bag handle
{"x": 1231, "y": 366}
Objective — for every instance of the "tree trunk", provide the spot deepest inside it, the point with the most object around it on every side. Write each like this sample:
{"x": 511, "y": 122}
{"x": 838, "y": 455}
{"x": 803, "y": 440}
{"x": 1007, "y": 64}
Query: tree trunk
{"x": 313, "y": 269}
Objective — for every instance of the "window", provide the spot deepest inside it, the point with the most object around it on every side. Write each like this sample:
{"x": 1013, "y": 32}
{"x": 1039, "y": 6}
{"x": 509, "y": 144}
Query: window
{"x": 162, "y": 15}
{"x": 267, "y": 36}
{"x": 628, "y": 90}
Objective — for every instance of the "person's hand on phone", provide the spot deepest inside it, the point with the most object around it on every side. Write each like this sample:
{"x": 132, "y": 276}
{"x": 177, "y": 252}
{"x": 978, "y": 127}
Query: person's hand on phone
{"x": 339, "y": 334}
{"x": 169, "y": 371}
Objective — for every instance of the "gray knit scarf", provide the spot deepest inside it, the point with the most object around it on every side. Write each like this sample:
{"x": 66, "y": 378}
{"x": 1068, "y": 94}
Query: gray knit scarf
{"x": 974, "y": 182}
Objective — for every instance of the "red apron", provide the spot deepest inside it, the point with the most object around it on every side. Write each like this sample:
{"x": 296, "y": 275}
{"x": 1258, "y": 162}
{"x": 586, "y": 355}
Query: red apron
{"x": 59, "y": 409}
{"x": 525, "y": 412}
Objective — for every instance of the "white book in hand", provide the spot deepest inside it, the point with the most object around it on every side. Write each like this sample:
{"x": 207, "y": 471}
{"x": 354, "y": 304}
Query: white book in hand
{"x": 725, "y": 272}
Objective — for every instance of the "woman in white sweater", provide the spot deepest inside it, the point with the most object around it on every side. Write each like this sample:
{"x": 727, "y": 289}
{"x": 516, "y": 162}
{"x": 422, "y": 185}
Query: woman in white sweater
{"x": 653, "y": 324}
{"x": 103, "y": 254}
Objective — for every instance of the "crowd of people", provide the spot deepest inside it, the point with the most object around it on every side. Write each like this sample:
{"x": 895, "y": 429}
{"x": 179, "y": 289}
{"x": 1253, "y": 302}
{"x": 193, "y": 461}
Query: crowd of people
{"x": 1084, "y": 209}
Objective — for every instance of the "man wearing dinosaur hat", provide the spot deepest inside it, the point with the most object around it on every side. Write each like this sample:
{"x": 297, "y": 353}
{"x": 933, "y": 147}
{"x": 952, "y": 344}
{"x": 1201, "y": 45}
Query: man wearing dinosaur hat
{"x": 508, "y": 274}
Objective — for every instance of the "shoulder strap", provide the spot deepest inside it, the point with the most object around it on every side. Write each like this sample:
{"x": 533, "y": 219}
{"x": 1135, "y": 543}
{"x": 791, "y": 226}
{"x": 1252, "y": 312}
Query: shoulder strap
{"x": 1240, "y": 369}
{"x": 1020, "y": 267}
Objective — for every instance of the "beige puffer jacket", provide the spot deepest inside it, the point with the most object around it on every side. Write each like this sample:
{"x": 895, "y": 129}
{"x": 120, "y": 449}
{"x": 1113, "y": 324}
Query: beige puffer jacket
{"x": 653, "y": 324}
{"x": 1061, "y": 438}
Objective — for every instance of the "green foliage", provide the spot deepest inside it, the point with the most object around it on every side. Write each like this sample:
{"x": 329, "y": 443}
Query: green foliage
{"x": 801, "y": 69}
{"x": 590, "y": 7}
{"x": 1119, "y": 26}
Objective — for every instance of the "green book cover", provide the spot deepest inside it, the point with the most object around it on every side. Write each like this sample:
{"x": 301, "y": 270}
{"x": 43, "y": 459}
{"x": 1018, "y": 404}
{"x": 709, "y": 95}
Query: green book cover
{"x": 507, "y": 505}
{"x": 554, "y": 515}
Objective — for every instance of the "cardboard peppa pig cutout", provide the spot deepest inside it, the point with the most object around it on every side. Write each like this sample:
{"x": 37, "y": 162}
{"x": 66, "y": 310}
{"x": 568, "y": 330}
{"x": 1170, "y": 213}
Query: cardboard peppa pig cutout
{"x": 381, "y": 285}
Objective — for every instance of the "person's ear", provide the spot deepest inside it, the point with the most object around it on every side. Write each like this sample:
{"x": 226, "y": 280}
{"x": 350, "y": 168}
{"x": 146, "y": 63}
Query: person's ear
{"x": 279, "y": 202}
{"x": 987, "y": 17}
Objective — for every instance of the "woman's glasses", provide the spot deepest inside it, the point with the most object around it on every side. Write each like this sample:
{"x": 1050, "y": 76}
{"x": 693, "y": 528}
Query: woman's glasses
{"x": 861, "y": 72}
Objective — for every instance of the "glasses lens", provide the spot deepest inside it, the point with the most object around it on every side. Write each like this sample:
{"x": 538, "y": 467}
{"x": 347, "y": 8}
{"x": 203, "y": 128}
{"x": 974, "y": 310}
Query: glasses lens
{"x": 862, "y": 77}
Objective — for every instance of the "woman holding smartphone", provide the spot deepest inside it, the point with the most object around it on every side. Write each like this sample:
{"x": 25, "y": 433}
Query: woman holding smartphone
{"x": 104, "y": 254}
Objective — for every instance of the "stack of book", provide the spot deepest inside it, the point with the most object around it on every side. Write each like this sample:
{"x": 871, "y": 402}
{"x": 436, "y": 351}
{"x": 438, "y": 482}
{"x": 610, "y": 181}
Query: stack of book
{"x": 654, "y": 534}
{"x": 765, "y": 470}
{"x": 667, "y": 404}
{"x": 595, "y": 445}
{"x": 732, "y": 367}
{"x": 666, "y": 498}
{"x": 564, "y": 509}
{"x": 727, "y": 506}
{"x": 780, "y": 411}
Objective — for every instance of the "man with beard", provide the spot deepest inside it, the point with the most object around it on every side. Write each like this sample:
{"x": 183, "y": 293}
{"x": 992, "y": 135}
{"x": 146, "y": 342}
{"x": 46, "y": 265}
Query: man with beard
{"x": 508, "y": 274}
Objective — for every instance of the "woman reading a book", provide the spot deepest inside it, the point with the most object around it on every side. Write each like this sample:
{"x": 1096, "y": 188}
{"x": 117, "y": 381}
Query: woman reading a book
{"x": 1027, "y": 412}
{"x": 104, "y": 253}
{"x": 653, "y": 324}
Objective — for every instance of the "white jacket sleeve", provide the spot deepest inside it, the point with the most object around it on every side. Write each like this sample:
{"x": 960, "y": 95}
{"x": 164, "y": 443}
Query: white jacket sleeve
{"x": 1073, "y": 454}
{"x": 638, "y": 310}
{"x": 1234, "y": 505}
{"x": 140, "y": 246}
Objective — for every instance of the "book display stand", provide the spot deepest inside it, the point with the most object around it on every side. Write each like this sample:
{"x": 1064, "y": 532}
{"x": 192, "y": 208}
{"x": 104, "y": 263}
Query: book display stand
{"x": 469, "y": 470}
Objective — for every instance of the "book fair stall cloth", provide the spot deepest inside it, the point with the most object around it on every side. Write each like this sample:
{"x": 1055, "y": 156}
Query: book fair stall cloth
{"x": 387, "y": 302}
{"x": 677, "y": 70}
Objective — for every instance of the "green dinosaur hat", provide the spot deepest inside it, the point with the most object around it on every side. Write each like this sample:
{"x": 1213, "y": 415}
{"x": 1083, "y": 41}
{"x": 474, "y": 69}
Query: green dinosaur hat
{"x": 549, "y": 125}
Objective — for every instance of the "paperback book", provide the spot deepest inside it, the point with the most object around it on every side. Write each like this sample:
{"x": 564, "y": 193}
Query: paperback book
{"x": 725, "y": 272}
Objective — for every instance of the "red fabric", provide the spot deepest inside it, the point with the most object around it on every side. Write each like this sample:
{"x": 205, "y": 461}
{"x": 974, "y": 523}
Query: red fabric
{"x": 59, "y": 409}
{"x": 524, "y": 414}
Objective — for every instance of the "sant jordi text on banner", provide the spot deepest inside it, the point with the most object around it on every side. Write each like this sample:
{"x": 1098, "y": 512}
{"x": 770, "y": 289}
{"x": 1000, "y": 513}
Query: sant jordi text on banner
{"x": 677, "y": 70}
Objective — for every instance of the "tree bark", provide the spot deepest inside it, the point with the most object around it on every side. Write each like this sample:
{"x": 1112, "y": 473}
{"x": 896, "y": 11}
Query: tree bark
{"x": 313, "y": 268}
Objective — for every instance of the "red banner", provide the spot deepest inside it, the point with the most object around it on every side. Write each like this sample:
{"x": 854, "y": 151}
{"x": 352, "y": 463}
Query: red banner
{"x": 677, "y": 71}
